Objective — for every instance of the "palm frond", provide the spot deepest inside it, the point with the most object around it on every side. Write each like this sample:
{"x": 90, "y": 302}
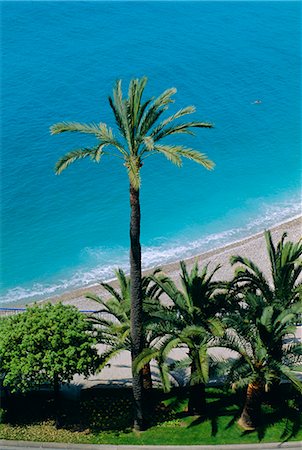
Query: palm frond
{"x": 291, "y": 376}
{"x": 135, "y": 92}
{"x": 249, "y": 272}
{"x": 108, "y": 355}
{"x": 152, "y": 114}
{"x": 100, "y": 321}
{"x": 216, "y": 326}
{"x": 242, "y": 382}
{"x": 94, "y": 153}
{"x": 119, "y": 118}
{"x": 182, "y": 128}
{"x": 167, "y": 346}
{"x": 204, "y": 364}
{"x": 148, "y": 120}
{"x": 170, "y": 152}
{"x": 119, "y": 107}
{"x": 164, "y": 375}
{"x": 144, "y": 358}
{"x": 182, "y": 112}
{"x": 107, "y": 137}
{"x": 148, "y": 143}
{"x": 78, "y": 127}
{"x": 124, "y": 284}
{"x": 112, "y": 291}
{"x": 271, "y": 249}
{"x": 95, "y": 297}
{"x": 183, "y": 363}
{"x": 196, "y": 156}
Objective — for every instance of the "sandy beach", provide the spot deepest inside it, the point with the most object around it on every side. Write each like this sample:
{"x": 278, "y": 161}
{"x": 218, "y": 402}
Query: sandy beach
{"x": 252, "y": 247}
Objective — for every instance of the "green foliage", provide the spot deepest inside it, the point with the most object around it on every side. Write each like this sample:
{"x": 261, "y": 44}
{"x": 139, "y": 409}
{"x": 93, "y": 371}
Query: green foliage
{"x": 190, "y": 322}
{"x": 262, "y": 330}
{"x": 44, "y": 344}
{"x": 286, "y": 267}
{"x": 113, "y": 316}
{"x": 265, "y": 356}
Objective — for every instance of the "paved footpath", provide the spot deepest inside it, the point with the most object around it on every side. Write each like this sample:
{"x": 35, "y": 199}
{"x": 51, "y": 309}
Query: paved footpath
{"x": 26, "y": 445}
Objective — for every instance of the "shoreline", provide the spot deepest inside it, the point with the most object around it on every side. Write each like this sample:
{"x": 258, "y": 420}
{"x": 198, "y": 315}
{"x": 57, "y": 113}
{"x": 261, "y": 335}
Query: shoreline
{"x": 252, "y": 246}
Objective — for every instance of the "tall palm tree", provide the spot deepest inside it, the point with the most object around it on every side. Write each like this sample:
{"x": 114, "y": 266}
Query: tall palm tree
{"x": 286, "y": 267}
{"x": 140, "y": 135}
{"x": 191, "y": 322}
{"x": 113, "y": 318}
{"x": 262, "y": 360}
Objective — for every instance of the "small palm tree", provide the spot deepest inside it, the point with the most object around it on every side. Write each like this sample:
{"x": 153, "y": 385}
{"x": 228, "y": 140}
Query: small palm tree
{"x": 190, "y": 322}
{"x": 286, "y": 269}
{"x": 261, "y": 360}
{"x": 140, "y": 135}
{"x": 113, "y": 318}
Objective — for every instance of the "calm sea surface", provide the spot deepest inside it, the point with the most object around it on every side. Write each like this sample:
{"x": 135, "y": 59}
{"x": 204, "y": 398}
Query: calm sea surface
{"x": 60, "y": 61}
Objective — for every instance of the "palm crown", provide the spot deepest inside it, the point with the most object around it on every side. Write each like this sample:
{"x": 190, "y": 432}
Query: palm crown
{"x": 286, "y": 269}
{"x": 190, "y": 321}
{"x": 261, "y": 358}
{"x": 139, "y": 135}
{"x": 113, "y": 316}
{"x": 268, "y": 352}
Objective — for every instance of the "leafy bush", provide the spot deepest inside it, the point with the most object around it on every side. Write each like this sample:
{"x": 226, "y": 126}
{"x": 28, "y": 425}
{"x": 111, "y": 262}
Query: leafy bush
{"x": 48, "y": 344}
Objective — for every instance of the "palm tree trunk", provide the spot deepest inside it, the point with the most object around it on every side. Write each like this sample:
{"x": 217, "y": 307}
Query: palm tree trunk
{"x": 147, "y": 378}
{"x": 136, "y": 305}
{"x": 197, "y": 397}
{"x": 251, "y": 411}
{"x": 197, "y": 403}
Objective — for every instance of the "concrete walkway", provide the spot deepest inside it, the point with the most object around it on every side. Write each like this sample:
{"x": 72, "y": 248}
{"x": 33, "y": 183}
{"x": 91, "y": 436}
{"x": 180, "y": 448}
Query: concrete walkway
{"x": 26, "y": 445}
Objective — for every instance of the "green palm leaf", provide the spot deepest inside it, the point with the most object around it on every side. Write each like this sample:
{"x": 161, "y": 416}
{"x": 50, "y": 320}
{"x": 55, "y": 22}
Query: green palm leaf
{"x": 204, "y": 364}
{"x": 286, "y": 268}
{"x": 108, "y": 355}
{"x": 194, "y": 155}
{"x": 78, "y": 127}
{"x": 170, "y": 152}
{"x": 119, "y": 109}
{"x": 144, "y": 358}
{"x": 94, "y": 153}
{"x": 182, "y": 128}
{"x": 164, "y": 375}
{"x": 182, "y": 112}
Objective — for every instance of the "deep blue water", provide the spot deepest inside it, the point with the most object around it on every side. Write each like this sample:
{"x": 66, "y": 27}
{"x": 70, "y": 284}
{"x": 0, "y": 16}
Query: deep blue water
{"x": 60, "y": 61}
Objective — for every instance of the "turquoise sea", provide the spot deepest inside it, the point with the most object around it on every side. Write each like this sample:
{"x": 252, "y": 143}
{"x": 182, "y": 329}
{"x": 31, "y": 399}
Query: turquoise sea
{"x": 60, "y": 61}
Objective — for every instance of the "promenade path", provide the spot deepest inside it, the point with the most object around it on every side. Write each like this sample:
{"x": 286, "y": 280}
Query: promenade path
{"x": 17, "y": 445}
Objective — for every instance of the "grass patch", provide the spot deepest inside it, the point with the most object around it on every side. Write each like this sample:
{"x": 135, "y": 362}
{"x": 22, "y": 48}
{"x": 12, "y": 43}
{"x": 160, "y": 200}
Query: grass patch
{"x": 104, "y": 416}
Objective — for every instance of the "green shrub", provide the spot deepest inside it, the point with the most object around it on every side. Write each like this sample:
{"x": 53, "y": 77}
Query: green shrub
{"x": 47, "y": 344}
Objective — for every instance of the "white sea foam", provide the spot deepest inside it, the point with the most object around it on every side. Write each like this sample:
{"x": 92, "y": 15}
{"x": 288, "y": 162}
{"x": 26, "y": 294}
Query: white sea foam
{"x": 152, "y": 255}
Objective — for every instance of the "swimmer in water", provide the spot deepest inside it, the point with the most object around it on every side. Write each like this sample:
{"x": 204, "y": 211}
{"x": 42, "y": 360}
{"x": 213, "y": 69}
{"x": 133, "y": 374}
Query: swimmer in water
{"x": 256, "y": 102}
